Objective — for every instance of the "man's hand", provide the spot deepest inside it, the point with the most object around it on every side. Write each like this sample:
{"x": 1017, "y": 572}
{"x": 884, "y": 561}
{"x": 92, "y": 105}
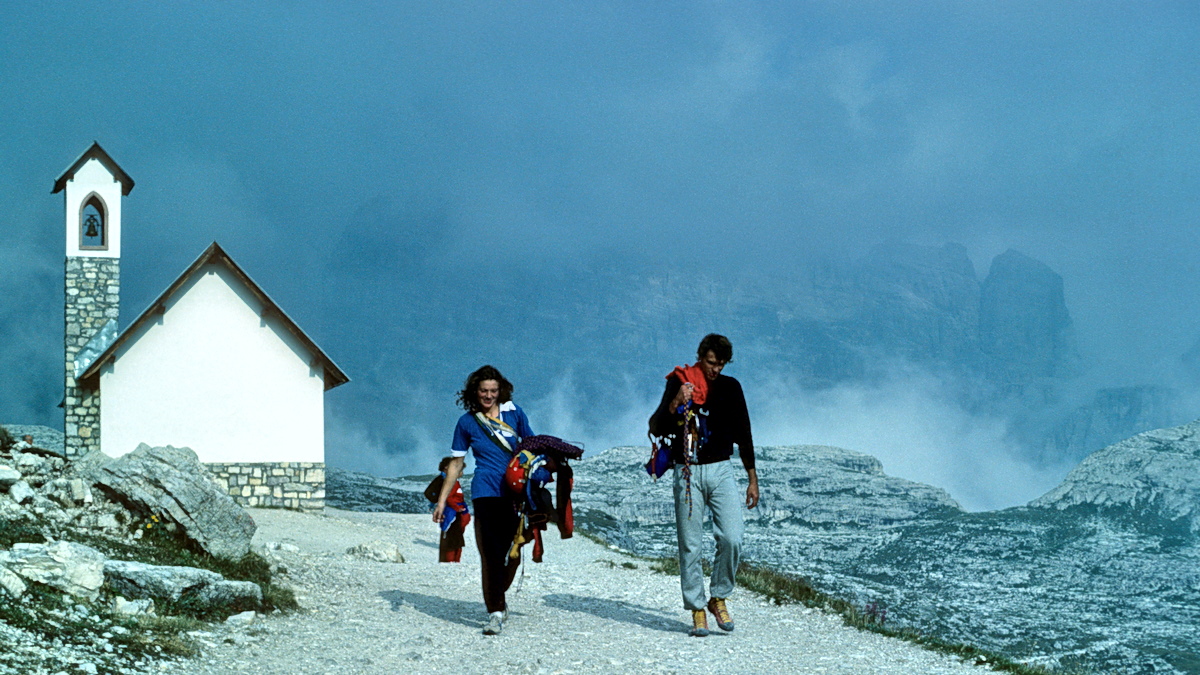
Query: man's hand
{"x": 684, "y": 395}
{"x": 752, "y": 490}
{"x": 439, "y": 513}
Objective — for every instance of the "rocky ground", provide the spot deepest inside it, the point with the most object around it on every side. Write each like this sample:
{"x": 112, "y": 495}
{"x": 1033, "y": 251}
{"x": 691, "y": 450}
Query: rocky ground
{"x": 586, "y": 609}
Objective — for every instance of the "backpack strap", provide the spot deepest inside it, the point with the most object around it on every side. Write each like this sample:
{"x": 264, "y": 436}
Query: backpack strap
{"x": 492, "y": 435}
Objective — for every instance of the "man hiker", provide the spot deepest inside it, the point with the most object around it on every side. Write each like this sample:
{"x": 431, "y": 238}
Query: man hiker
{"x": 702, "y": 416}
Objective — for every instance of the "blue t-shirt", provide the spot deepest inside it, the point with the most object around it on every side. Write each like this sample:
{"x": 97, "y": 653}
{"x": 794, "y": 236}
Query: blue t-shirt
{"x": 491, "y": 460}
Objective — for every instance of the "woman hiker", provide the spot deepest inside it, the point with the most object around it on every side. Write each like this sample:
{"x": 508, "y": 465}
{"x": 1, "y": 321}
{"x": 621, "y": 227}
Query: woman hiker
{"x": 490, "y": 428}
{"x": 457, "y": 517}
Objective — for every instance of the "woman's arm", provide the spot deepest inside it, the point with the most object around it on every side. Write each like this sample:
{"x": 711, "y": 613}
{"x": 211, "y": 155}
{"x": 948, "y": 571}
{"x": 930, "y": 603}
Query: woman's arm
{"x": 453, "y": 471}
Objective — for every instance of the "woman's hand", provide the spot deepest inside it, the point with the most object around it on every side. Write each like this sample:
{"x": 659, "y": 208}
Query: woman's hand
{"x": 453, "y": 471}
{"x": 684, "y": 395}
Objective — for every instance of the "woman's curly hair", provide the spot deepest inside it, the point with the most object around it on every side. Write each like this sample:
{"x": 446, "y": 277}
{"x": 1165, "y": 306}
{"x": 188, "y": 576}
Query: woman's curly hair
{"x": 468, "y": 398}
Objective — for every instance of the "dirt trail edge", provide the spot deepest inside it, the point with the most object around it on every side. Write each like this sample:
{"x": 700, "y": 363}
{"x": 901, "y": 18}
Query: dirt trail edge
{"x": 586, "y": 609}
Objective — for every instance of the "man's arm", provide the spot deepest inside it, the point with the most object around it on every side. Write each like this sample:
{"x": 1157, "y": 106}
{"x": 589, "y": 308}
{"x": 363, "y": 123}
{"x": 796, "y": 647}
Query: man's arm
{"x": 664, "y": 421}
{"x": 745, "y": 443}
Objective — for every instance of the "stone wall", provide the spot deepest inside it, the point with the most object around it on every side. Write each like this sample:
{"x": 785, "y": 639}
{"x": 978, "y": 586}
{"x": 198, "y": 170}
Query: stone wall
{"x": 288, "y": 485}
{"x": 93, "y": 295}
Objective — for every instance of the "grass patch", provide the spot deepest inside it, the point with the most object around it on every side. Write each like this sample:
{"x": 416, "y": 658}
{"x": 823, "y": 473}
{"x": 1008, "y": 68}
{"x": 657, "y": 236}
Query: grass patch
{"x": 627, "y": 565}
{"x": 159, "y": 636}
{"x": 20, "y": 532}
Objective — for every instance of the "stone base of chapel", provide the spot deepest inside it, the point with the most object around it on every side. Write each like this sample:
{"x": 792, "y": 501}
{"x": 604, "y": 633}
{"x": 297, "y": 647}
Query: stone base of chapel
{"x": 284, "y": 485}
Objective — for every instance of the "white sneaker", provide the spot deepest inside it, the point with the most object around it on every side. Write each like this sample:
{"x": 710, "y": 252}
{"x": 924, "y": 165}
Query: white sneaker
{"x": 495, "y": 623}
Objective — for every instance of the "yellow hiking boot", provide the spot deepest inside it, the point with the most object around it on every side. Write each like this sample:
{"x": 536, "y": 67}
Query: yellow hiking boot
{"x": 721, "y": 614}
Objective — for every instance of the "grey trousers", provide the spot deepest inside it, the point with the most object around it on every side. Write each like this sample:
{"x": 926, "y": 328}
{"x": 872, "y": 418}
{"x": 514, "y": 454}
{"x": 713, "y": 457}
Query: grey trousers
{"x": 714, "y": 486}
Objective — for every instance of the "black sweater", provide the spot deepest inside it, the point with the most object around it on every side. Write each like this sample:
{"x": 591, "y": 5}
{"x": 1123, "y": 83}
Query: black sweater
{"x": 728, "y": 422}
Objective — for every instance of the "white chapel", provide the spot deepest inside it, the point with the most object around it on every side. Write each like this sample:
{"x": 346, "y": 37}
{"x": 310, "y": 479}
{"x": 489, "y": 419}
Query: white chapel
{"x": 213, "y": 364}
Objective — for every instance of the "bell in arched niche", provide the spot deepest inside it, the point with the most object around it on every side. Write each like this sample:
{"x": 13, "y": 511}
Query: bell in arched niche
{"x": 93, "y": 230}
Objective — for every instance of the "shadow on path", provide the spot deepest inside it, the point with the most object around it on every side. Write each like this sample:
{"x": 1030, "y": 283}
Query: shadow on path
{"x": 616, "y": 610}
{"x": 455, "y": 611}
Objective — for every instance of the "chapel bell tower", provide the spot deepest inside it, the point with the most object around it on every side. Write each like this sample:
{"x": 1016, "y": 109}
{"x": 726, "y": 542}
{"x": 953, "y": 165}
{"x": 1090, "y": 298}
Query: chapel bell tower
{"x": 93, "y": 187}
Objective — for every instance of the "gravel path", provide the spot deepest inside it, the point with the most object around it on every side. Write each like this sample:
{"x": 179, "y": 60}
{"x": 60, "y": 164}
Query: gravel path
{"x": 581, "y": 611}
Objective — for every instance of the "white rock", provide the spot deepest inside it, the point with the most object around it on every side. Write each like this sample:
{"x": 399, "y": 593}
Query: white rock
{"x": 242, "y": 619}
{"x": 30, "y": 463}
{"x": 133, "y": 607}
{"x": 8, "y": 476}
{"x": 21, "y": 493}
{"x": 169, "y": 582}
{"x": 75, "y": 569}
{"x": 378, "y": 551}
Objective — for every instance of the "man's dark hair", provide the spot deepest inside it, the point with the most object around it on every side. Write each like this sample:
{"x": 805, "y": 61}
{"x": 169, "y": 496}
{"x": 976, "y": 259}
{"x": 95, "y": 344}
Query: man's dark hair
{"x": 468, "y": 398}
{"x": 720, "y": 346}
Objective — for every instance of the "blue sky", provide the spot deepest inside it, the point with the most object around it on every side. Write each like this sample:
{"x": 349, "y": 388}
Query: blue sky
{"x": 310, "y": 138}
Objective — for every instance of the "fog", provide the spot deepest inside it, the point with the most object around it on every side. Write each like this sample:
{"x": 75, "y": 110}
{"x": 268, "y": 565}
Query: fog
{"x": 383, "y": 170}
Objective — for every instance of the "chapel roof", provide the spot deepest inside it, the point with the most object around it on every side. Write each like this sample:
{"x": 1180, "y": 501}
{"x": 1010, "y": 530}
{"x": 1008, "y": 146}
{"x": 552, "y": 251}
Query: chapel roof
{"x": 95, "y": 152}
{"x": 214, "y": 254}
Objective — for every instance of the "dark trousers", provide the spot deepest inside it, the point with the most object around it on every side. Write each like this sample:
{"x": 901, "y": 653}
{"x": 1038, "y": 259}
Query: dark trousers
{"x": 496, "y": 522}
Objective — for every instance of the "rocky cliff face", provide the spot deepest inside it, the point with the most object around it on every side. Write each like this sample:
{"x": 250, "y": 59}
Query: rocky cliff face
{"x": 355, "y": 491}
{"x": 1024, "y": 329}
{"x": 1112, "y": 415}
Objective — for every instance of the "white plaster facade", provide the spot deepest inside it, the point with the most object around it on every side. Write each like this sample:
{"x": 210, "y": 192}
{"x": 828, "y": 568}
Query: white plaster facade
{"x": 91, "y": 178}
{"x": 214, "y": 368}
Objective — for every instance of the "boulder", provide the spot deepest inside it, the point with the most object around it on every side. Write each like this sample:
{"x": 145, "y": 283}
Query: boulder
{"x": 98, "y": 519}
{"x": 133, "y": 607}
{"x": 8, "y": 476}
{"x": 163, "y": 582}
{"x": 59, "y": 491}
{"x": 21, "y": 493}
{"x": 241, "y": 620}
{"x": 28, "y": 463}
{"x": 86, "y": 467}
{"x": 378, "y": 551}
{"x": 228, "y": 596}
{"x": 203, "y": 588}
{"x": 72, "y": 568}
{"x": 172, "y": 484}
